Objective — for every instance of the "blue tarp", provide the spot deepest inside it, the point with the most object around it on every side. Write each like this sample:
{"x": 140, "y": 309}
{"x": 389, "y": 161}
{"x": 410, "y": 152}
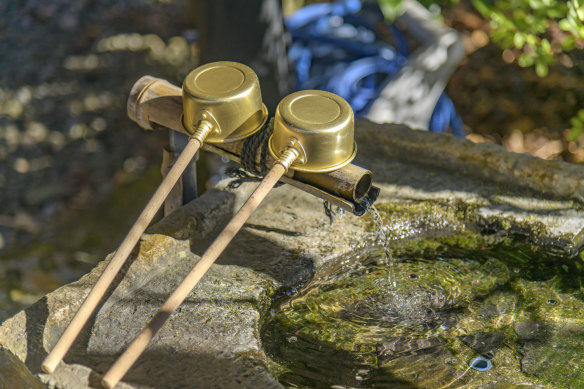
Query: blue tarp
{"x": 336, "y": 47}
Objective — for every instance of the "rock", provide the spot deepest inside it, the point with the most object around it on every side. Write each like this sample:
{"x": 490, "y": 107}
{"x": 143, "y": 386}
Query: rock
{"x": 481, "y": 160}
{"x": 14, "y": 374}
{"x": 551, "y": 344}
{"x": 466, "y": 250}
{"x": 513, "y": 192}
{"x": 400, "y": 346}
{"x": 208, "y": 348}
{"x": 484, "y": 343}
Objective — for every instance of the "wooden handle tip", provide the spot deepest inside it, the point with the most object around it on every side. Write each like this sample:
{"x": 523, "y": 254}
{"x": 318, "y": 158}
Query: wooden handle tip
{"x": 49, "y": 367}
{"x": 108, "y": 384}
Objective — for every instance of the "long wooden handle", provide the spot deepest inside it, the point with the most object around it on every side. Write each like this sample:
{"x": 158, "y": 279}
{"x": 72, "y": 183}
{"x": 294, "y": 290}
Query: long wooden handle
{"x": 129, "y": 357}
{"x": 72, "y": 331}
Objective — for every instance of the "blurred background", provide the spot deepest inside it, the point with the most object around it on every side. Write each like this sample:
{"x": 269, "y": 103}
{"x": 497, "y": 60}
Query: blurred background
{"x": 75, "y": 171}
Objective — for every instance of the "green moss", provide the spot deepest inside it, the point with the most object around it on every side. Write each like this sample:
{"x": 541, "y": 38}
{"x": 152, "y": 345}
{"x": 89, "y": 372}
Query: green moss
{"x": 422, "y": 215}
{"x": 436, "y": 225}
{"x": 435, "y": 245}
{"x": 550, "y": 333}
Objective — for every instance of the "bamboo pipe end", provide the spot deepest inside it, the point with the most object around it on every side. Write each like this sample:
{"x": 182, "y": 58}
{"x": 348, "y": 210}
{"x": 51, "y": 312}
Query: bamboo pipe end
{"x": 148, "y": 96}
{"x": 133, "y": 106}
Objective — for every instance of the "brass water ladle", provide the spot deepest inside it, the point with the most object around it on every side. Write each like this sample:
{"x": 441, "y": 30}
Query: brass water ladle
{"x": 222, "y": 103}
{"x": 313, "y": 131}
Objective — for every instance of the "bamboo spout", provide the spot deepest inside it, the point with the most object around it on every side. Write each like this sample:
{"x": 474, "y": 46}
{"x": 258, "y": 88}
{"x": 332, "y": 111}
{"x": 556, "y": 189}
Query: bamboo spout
{"x": 155, "y": 103}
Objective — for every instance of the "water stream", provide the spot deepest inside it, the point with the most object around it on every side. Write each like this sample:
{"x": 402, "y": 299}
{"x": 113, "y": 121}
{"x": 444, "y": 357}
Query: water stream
{"x": 383, "y": 239}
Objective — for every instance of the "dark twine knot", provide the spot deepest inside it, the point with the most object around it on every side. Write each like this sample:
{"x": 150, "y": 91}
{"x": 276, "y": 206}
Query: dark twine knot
{"x": 249, "y": 172}
{"x": 258, "y": 141}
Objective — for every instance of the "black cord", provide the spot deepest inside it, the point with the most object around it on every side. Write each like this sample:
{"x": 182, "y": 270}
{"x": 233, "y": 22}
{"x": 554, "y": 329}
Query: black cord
{"x": 251, "y": 146}
{"x": 258, "y": 141}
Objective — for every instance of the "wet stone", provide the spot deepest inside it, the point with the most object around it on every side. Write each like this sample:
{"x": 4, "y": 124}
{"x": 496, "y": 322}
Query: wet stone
{"x": 484, "y": 343}
{"x": 403, "y": 346}
{"x": 555, "y": 357}
{"x": 532, "y": 330}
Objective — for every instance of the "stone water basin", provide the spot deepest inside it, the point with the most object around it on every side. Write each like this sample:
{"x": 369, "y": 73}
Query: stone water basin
{"x": 351, "y": 327}
{"x": 485, "y": 246}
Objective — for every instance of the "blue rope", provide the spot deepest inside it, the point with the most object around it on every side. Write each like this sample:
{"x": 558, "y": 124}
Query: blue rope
{"x": 335, "y": 47}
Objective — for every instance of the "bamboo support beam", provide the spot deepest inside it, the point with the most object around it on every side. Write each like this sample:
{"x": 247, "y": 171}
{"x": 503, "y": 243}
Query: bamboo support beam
{"x": 174, "y": 200}
{"x": 154, "y": 103}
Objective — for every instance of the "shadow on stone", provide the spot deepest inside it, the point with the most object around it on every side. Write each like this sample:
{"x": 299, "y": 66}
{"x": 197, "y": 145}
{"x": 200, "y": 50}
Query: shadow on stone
{"x": 261, "y": 255}
{"x": 81, "y": 343}
{"x": 38, "y": 326}
{"x": 210, "y": 340}
{"x": 167, "y": 367}
{"x": 36, "y": 318}
{"x": 14, "y": 374}
{"x": 276, "y": 230}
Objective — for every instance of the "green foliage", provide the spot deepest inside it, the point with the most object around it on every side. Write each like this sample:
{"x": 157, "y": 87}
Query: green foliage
{"x": 391, "y": 8}
{"x": 577, "y": 126}
{"x": 538, "y": 29}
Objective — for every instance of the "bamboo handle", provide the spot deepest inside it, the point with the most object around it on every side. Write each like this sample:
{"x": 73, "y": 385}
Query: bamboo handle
{"x": 72, "y": 331}
{"x": 132, "y": 353}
